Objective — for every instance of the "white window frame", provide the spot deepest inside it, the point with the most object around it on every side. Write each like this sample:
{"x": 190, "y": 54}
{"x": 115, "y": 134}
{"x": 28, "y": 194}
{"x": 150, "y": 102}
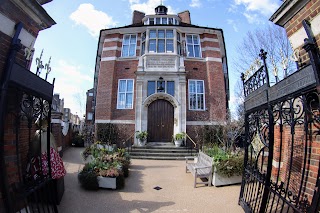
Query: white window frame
{"x": 135, "y": 49}
{"x": 197, "y": 93}
{"x": 165, "y": 40}
{"x": 193, "y": 45}
{"x": 126, "y": 92}
{"x": 162, "y": 22}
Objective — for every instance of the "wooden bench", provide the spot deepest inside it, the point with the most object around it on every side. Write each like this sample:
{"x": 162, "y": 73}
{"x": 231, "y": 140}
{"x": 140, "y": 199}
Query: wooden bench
{"x": 201, "y": 169}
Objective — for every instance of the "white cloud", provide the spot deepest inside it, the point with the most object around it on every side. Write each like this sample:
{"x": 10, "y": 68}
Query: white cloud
{"x": 265, "y": 7}
{"x": 72, "y": 83}
{"x": 148, "y": 6}
{"x": 195, "y": 3}
{"x": 232, "y": 8}
{"x": 253, "y": 18}
{"x": 233, "y": 24}
{"x": 94, "y": 20}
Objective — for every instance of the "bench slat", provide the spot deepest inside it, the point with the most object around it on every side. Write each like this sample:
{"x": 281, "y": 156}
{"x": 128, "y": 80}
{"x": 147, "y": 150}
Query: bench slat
{"x": 201, "y": 169}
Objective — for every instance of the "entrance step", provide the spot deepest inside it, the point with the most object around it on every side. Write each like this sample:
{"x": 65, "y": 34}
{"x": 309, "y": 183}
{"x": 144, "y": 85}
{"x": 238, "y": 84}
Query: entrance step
{"x": 161, "y": 151}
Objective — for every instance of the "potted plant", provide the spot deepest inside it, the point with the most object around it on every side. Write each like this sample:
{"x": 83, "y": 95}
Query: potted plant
{"x": 142, "y": 137}
{"x": 88, "y": 177}
{"x": 227, "y": 165}
{"x": 178, "y": 138}
{"x": 87, "y": 155}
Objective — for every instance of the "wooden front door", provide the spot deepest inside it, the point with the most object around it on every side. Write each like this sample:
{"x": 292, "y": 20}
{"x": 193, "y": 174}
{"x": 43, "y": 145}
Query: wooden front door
{"x": 160, "y": 121}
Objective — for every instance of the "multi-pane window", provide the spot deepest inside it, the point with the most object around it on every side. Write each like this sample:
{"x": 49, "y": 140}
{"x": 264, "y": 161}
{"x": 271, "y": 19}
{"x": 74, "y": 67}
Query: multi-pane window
{"x": 125, "y": 94}
{"x": 161, "y": 41}
{"x": 161, "y": 21}
{"x": 143, "y": 43}
{"x": 129, "y": 44}
{"x": 179, "y": 51}
{"x": 170, "y": 87}
{"x": 196, "y": 95}
{"x": 193, "y": 46}
{"x": 153, "y": 87}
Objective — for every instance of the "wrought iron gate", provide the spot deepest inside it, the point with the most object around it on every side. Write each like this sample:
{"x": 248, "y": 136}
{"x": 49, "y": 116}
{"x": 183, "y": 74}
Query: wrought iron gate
{"x": 282, "y": 125}
{"x": 26, "y": 183}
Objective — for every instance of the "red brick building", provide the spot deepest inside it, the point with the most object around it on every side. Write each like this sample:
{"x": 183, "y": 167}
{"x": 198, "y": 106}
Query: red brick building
{"x": 161, "y": 74}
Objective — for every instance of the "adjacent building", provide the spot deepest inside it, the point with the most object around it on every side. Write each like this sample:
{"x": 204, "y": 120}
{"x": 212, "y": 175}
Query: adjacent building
{"x": 161, "y": 74}
{"x": 89, "y": 107}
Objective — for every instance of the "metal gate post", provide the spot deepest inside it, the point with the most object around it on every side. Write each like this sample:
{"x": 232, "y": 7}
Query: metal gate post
{"x": 15, "y": 47}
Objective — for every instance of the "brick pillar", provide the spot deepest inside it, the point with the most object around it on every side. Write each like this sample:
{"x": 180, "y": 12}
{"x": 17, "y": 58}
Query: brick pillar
{"x": 56, "y": 130}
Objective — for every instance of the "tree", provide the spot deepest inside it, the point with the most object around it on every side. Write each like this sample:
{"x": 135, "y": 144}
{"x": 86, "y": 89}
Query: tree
{"x": 273, "y": 39}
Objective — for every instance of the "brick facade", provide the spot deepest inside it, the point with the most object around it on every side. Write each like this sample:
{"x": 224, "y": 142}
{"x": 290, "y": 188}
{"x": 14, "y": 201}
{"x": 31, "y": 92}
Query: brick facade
{"x": 112, "y": 66}
{"x": 291, "y": 21}
{"x": 290, "y": 16}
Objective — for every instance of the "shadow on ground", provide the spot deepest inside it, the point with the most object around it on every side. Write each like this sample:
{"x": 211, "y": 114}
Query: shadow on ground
{"x": 76, "y": 199}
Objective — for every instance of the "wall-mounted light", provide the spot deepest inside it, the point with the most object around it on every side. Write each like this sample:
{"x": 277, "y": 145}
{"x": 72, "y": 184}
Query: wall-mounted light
{"x": 160, "y": 87}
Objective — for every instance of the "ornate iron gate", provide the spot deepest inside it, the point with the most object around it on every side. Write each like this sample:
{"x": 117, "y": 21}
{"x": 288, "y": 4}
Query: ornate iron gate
{"x": 282, "y": 125}
{"x": 26, "y": 182}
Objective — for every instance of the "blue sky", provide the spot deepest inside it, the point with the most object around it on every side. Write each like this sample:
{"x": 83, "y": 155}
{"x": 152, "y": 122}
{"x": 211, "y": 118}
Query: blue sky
{"x": 72, "y": 42}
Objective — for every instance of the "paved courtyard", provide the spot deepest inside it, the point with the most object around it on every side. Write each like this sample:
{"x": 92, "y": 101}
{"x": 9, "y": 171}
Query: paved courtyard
{"x": 138, "y": 195}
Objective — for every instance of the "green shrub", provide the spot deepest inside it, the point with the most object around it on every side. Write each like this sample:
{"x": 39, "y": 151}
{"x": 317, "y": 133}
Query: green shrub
{"x": 226, "y": 163}
{"x": 88, "y": 178}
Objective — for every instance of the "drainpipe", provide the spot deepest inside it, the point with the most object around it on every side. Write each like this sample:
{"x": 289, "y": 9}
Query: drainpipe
{"x": 15, "y": 47}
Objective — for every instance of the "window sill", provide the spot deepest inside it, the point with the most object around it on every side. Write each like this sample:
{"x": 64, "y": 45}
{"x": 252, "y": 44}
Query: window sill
{"x": 194, "y": 58}
{"x": 127, "y": 58}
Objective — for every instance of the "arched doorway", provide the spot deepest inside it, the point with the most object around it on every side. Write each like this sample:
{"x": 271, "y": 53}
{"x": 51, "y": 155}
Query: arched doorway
{"x": 160, "y": 121}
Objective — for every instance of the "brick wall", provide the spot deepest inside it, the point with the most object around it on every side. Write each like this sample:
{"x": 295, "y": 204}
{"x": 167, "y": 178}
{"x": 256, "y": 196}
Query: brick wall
{"x": 8, "y": 9}
{"x": 309, "y": 12}
{"x": 137, "y": 17}
{"x": 286, "y": 149}
{"x": 185, "y": 17}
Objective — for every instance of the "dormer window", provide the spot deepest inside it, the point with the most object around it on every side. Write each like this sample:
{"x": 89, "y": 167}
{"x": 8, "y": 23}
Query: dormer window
{"x": 161, "y": 21}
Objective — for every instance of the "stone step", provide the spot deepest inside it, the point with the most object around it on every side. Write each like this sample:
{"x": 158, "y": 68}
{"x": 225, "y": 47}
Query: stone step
{"x": 160, "y": 151}
{"x": 170, "y": 154}
{"x": 158, "y": 157}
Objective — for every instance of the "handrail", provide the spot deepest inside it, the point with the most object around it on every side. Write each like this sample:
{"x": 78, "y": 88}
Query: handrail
{"x": 194, "y": 143}
{"x": 125, "y": 141}
{"x": 129, "y": 137}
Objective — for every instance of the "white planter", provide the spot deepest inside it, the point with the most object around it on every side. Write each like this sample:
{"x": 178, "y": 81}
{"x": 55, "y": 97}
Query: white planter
{"x": 107, "y": 182}
{"x": 142, "y": 142}
{"x": 218, "y": 180}
{"x": 177, "y": 143}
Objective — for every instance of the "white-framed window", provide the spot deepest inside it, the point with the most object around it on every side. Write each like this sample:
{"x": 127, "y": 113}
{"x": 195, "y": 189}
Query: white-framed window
{"x": 90, "y": 94}
{"x": 161, "y": 21}
{"x": 143, "y": 43}
{"x": 129, "y": 44}
{"x": 168, "y": 87}
{"x": 193, "y": 46}
{"x": 89, "y": 116}
{"x": 196, "y": 95}
{"x": 161, "y": 41}
{"x": 125, "y": 94}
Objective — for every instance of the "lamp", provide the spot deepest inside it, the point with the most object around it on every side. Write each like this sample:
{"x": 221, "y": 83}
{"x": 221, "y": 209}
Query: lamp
{"x": 160, "y": 87}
